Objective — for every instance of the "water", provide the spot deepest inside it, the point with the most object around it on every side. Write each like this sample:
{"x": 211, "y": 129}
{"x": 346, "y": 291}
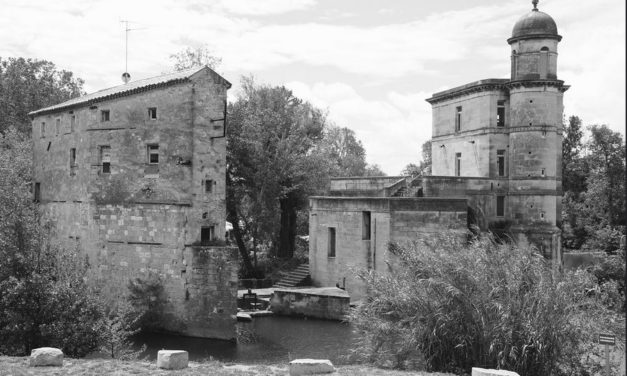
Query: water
{"x": 266, "y": 340}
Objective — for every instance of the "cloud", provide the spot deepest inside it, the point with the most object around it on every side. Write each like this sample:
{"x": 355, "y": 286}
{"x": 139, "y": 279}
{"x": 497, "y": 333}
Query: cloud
{"x": 265, "y": 7}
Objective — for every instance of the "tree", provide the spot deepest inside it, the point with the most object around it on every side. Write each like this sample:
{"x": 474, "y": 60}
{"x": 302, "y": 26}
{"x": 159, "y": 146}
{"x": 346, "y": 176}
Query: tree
{"x": 44, "y": 299}
{"x": 191, "y": 57}
{"x": 425, "y": 164}
{"x": 344, "y": 151}
{"x": 574, "y": 168}
{"x": 272, "y": 163}
{"x": 374, "y": 170}
{"x": 411, "y": 170}
{"x": 27, "y": 85}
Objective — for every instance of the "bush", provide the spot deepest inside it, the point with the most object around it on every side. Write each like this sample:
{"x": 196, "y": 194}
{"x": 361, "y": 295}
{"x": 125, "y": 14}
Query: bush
{"x": 450, "y": 306}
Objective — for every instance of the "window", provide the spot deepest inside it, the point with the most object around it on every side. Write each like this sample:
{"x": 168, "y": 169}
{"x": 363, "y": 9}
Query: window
{"x": 365, "y": 228}
{"x": 500, "y": 113}
{"x": 500, "y": 206}
{"x": 57, "y": 127}
{"x": 37, "y": 192}
{"x": 514, "y": 64}
{"x": 500, "y": 162}
{"x": 543, "y": 172}
{"x": 72, "y": 161}
{"x": 544, "y": 62}
{"x": 72, "y": 123}
{"x": 206, "y": 234}
{"x": 105, "y": 159}
{"x": 458, "y": 164}
{"x": 152, "y": 113}
{"x": 43, "y": 129}
{"x": 458, "y": 118}
{"x": 208, "y": 186}
{"x": 331, "y": 245}
{"x": 104, "y": 115}
{"x": 153, "y": 154}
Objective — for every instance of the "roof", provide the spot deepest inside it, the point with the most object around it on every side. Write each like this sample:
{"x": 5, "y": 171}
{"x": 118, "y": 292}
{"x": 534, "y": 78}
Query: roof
{"x": 481, "y": 85}
{"x": 534, "y": 24}
{"x": 130, "y": 88}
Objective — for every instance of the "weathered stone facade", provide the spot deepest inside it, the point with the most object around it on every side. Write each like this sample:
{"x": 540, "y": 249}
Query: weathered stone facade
{"x": 496, "y": 164}
{"x": 135, "y": 177}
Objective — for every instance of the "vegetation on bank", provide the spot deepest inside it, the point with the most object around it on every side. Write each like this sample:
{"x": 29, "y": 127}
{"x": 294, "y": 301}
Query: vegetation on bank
{"x": 450, "y": 306}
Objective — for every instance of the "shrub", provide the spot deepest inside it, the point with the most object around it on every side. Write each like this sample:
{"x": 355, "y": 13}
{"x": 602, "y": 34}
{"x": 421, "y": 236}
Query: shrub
{"x": 451, "y": 306}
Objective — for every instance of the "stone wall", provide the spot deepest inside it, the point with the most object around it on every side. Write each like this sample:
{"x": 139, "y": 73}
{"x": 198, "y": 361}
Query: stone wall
{"x": 397, "y": 220}
{"x": 138, "y": 219}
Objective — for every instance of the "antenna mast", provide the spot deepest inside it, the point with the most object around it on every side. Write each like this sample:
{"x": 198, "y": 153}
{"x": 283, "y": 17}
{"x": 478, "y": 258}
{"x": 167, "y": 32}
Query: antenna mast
{"x": 126, "y": 77}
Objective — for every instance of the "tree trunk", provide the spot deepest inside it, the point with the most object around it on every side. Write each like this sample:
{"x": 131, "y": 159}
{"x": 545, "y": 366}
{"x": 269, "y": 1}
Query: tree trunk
{"x": 287, "y": 234}
{"x": 232, "y": 217}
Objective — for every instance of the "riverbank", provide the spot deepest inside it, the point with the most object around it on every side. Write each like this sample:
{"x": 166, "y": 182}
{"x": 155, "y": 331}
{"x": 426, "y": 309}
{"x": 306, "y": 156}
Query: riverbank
{"x": 18, "y": 366}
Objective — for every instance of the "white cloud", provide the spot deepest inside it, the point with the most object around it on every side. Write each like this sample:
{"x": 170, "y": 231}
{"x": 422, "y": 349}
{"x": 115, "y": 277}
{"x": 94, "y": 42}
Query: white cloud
{"x": 265, "y": 7}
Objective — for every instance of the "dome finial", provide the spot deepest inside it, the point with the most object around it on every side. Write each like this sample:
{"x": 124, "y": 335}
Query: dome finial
{"x": 535, "y": 4}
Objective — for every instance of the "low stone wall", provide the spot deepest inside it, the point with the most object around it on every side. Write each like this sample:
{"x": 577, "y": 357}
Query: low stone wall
{"x": 322, "y": 303}
{"x": 574, "y": 260}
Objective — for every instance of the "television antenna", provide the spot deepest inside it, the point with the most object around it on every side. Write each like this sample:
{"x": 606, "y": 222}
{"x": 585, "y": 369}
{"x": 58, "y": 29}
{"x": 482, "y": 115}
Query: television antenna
{"x": 126, "y": 77}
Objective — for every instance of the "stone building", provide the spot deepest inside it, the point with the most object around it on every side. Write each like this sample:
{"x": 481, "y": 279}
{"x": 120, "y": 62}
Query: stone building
{"x": 496, "y": 144}
{"x": 134, "y": 176}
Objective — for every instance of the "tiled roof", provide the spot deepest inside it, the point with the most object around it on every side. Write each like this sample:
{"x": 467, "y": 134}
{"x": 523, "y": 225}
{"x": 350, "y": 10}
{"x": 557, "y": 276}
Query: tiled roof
{"x": 127, "y": 89}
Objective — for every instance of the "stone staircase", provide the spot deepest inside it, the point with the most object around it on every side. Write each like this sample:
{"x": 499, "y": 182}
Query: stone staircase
{"x": 297, "y": 277}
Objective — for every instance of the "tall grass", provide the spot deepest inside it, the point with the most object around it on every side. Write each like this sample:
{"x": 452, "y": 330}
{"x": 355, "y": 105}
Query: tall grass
{"x": 451, "y": 306}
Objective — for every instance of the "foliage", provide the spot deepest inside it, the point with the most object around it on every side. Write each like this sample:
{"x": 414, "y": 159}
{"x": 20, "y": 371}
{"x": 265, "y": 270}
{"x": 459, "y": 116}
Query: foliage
{"x": 121, "y": 322}
{"x": 191, "y": 57}
{"x": 454, "y": 306}
{"x": 273, "y": 165}
{"x": 148, "y": 301}
{"x": 412, "y": 170}
{"x": 27, "y": 85}
{"x": 425, "y": 164}
{"x": 44, "y": 300}
{"x": 374, "y": 170}
{"x": 574, "y": 168}
{"x": 344, "y": 152}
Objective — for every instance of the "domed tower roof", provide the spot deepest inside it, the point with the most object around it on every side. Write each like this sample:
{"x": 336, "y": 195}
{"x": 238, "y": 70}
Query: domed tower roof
{"x": 534, "y": 24}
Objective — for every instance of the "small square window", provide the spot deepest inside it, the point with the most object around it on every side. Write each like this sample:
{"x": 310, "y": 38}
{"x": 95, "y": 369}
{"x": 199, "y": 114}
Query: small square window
{"x": 207, "y": 234}
{"x": 153, "y": 154}
{"x": 152, "y": 113}
{"x": 104, "y": 115}
{"x": 208, "y": 186}
{"x": 105, "y": 159}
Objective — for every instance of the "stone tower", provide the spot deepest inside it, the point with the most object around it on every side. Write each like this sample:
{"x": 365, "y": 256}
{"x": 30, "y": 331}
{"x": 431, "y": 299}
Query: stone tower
{"x": 535, "y": 133}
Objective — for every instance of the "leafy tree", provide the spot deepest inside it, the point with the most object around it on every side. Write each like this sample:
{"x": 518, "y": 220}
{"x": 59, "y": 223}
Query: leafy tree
{"x": 44, "y": 300}
{"x": 374, "y": 170}
{"x": 448, "y": 305}
{"x": 27, "y": 85}
{"x": 411, "y": 170}
{"x": 574, "y": 169}
{"x": 272, "y": 164}
{"x": 425, "y": 164}
{"x": 344, "y": 152}
{"x": 191, "y": 57}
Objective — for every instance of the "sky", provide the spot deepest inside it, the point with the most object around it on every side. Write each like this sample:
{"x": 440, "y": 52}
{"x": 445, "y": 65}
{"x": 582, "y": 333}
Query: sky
{"x": 370, "y": 63}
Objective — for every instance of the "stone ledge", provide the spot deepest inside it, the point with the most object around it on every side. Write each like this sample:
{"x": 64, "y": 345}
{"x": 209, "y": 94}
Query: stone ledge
{"x": 310, "y": 367}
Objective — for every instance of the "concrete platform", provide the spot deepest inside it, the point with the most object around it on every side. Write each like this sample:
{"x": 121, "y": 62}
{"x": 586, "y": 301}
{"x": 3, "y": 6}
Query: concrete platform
{"x": 328, "y": 303}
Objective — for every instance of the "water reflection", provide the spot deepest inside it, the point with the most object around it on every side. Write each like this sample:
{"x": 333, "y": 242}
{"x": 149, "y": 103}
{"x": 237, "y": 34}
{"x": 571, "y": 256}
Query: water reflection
{"x": 268, "y": 340}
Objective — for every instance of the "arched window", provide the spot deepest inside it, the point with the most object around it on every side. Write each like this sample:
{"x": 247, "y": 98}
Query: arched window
{"x": 544, "y": 62}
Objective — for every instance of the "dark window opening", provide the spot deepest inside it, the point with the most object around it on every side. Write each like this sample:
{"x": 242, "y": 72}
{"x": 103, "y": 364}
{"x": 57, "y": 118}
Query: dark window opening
{"x": 153, "y": 154}
{"x": 37, "y": 192}
{"x": 458, "y": 164}
{"x": 458, "y": 118}
{"x": 105, "y": 159}
{"x": 500, "y": 206}
{"x": 206, "y": 234}
{"x": 72, "y": 123}
{"x": 208, "y": 186}
{"x": 49, "y": 144}
{"x": 43, "y": 129}
{"x": 331, "y": 245}
{"x": 500, "y": 114}
{"x": 152, "y": 113}
{"x": 72, "y": 161}
{"x": 500, "y": 162}
{"x": 57, "y": 127}
{"x": 365, "y": 233}
{"x": 542, "y": 172}
{"x": 104, "y": 115}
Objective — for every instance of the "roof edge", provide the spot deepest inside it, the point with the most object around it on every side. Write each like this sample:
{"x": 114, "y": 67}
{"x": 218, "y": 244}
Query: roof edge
{"x": 481, "y": 85}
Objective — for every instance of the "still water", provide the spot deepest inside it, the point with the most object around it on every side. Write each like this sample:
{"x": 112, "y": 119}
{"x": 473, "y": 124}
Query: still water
{"x": 269, "y": 340}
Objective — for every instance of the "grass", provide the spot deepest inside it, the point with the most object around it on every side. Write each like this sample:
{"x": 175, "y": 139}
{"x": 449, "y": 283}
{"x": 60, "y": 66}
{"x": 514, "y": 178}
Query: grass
{"x": 18, "y": 366}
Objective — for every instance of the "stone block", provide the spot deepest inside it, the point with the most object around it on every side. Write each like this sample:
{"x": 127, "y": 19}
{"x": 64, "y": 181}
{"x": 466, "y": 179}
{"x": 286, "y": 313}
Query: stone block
{"x": 492, "y": 372}
{"x": 310, "y": 367}
{"x": 172, "y": 359}
{"x": 46, "y": 356}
